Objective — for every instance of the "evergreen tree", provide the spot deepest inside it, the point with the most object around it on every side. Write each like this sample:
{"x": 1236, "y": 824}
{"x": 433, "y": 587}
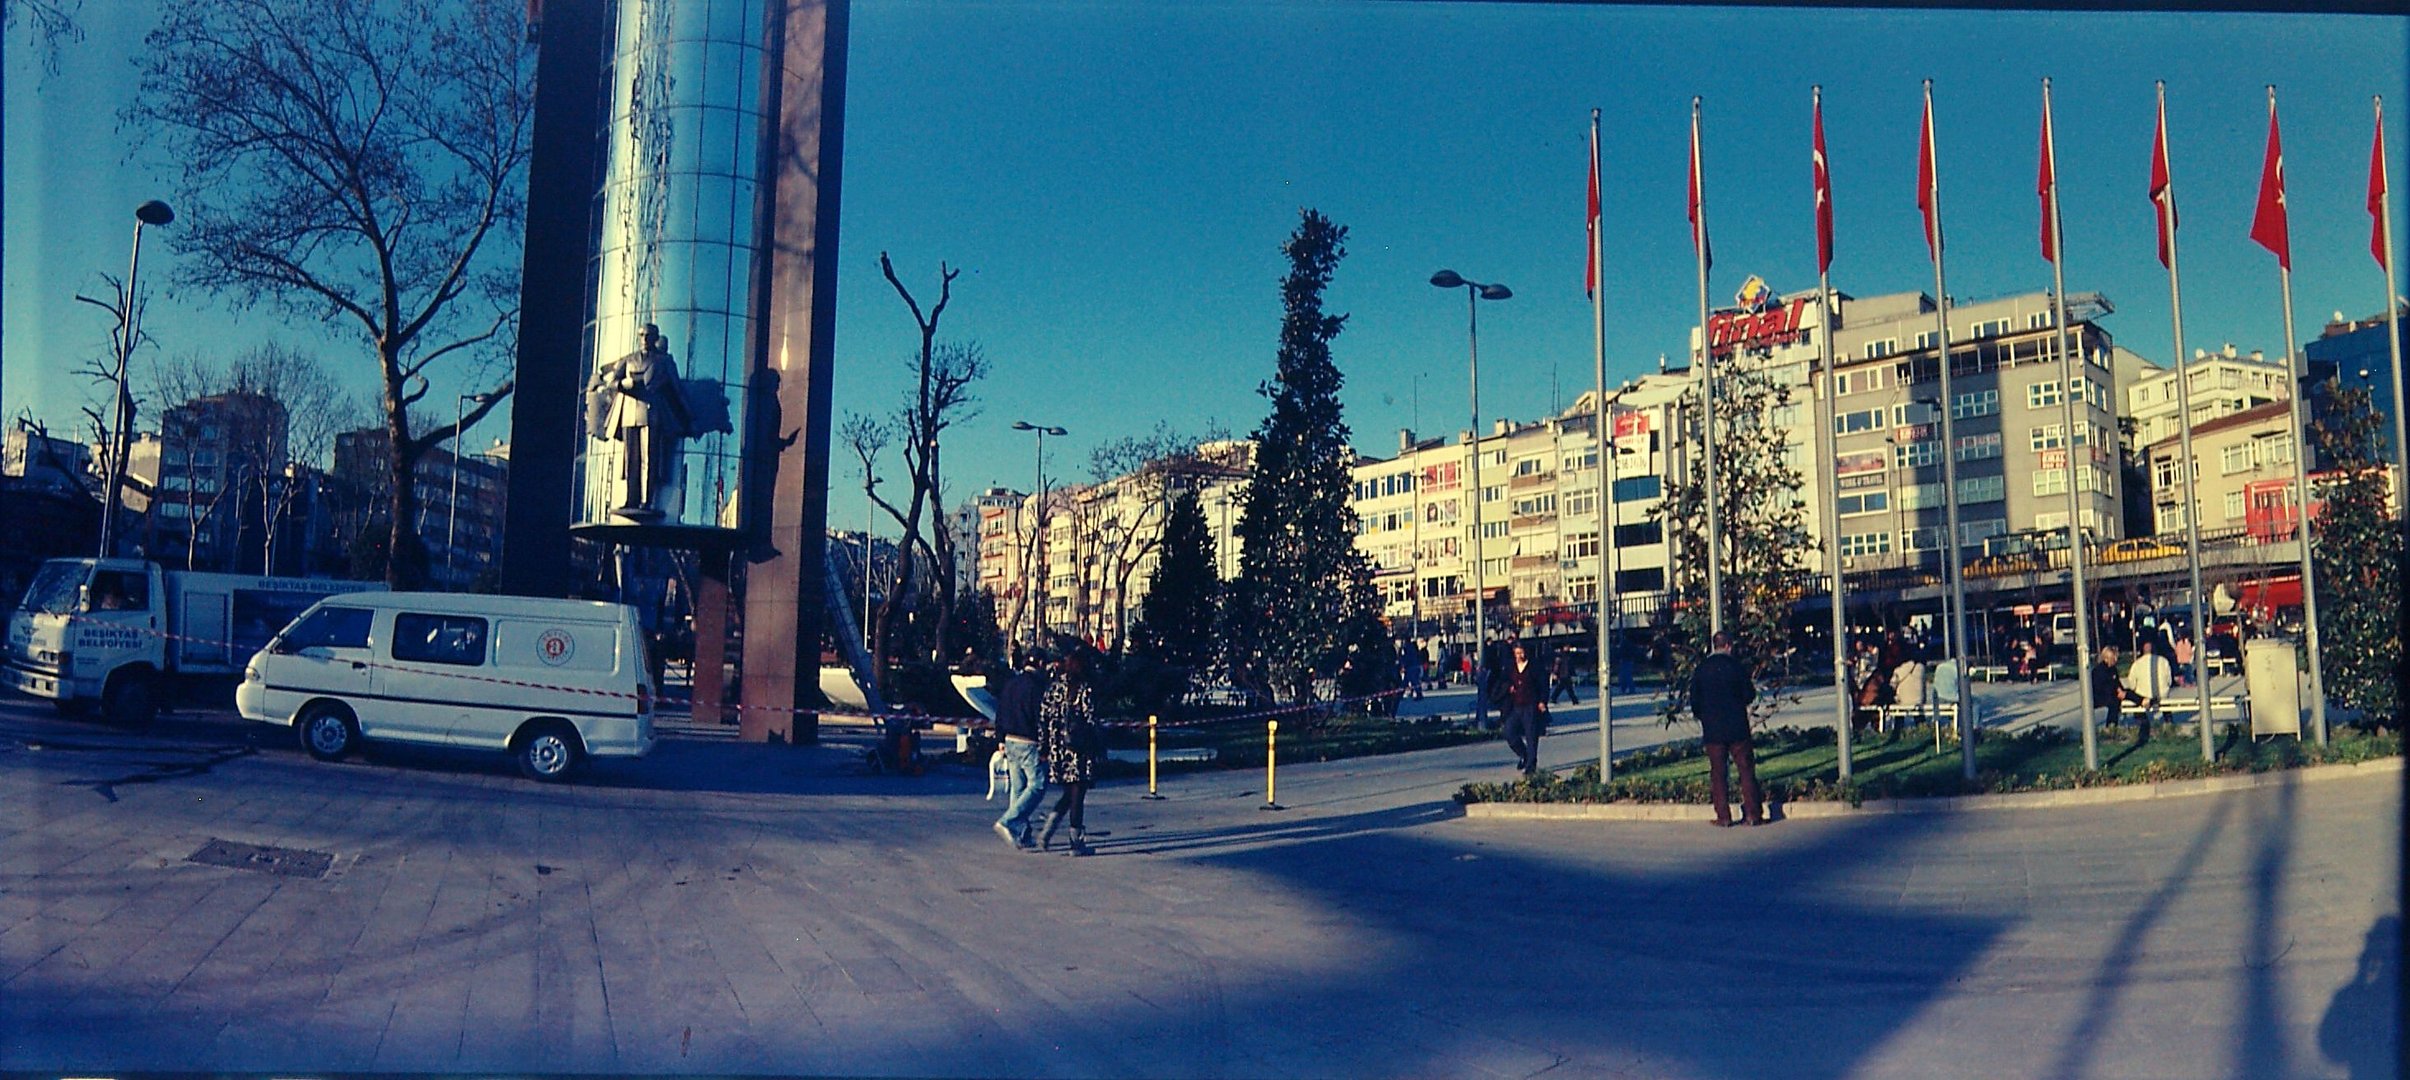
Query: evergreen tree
{"x": 1301, "y": 596}
{"x": 1183, "y": 592}
{"x": 1765, "y": 542}
{"x": 2357, "y": 552}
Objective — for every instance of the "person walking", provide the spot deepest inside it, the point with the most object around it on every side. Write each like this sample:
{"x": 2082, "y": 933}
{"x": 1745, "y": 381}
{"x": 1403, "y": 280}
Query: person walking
{"x": 2107, "y": 694}
{"x": 1017, "y": 729}
{"x": 1410, "y": 667}
{"x": 1720, "y": 693}
{"x": 2149, "y": 677}
{"x": 1519, "y": 691}
{"x": 1067, "y": 729}
{"x": 1560, "y": 677}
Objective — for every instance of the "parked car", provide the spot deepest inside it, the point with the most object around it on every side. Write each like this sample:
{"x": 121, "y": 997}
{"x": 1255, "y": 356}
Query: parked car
{"x": 553, "y": 682}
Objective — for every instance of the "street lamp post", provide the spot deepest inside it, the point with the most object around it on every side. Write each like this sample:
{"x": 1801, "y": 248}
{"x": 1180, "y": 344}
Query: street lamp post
{"x": 121, "y": 419}
{"x": 1037, "y": 624}
{"x": 1474, "y": 293}
{"x": 452, "y": 506}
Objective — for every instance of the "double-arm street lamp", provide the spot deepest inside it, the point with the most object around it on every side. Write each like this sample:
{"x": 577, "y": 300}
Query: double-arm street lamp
{"x": 1474, "y": 293}
{"x": 1032, "y": 581}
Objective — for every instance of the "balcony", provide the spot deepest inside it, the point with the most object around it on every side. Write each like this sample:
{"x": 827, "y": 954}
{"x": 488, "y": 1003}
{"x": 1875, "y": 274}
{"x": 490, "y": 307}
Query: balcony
{"x": 1529, "y": 481}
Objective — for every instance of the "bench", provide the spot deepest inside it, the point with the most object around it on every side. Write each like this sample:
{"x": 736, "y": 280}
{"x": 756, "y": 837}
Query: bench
{"x": 1886, "y": 715}
{"x": 2235, "y": 705}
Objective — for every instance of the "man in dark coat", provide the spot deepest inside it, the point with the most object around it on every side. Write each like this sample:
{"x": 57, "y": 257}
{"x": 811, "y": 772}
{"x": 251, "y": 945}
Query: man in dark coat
{"x": 1519, "y": 688}
{"x": 1017, "y": 730}
{"x": 1720, "y": 693}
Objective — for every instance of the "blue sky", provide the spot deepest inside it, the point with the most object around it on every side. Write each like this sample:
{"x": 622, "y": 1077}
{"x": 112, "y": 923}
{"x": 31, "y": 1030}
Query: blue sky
{"x": 1115, "y": 181}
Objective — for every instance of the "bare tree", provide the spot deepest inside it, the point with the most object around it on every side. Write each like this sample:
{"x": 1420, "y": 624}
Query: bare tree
{"x": 1136, "y": 480}
{"x": 940, "y": 399}
{"x": 357, "y": 161}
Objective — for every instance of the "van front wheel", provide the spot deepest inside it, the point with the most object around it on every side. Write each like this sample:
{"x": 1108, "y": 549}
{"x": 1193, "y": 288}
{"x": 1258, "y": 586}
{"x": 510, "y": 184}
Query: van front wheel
{"x": 549, "y": 752}
{"x": 327, "y": 731}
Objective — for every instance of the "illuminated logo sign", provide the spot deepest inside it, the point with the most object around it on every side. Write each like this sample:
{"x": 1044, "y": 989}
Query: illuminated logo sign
{"x": 1759, "y": 321}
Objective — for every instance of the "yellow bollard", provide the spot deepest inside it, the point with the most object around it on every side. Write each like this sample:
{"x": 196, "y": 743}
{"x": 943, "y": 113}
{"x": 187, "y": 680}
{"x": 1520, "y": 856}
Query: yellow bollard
{"x": 1271, "y": 763}
{"x": 1150, "y": 760}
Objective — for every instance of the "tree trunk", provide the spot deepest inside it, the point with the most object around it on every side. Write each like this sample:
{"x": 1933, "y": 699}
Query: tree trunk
{"x": 405, "y": 553}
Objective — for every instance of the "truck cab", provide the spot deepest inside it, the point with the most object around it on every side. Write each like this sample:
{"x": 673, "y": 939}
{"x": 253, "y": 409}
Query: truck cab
{"x": 92, "y": 630}
{"x": 114, "y": 632}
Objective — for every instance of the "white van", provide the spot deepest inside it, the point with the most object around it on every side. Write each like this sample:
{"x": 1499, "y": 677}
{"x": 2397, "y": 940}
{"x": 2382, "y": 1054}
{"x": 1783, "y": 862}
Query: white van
{"x": 551, "y": 681}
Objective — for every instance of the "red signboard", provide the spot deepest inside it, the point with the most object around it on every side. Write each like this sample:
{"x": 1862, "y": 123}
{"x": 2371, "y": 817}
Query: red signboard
{"x": 1729, "y": 330}
{"x": 1631, "y": 423}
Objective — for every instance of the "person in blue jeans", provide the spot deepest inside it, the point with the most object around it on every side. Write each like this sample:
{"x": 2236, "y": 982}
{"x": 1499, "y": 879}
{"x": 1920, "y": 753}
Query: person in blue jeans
{"x": 1017, "y": 727}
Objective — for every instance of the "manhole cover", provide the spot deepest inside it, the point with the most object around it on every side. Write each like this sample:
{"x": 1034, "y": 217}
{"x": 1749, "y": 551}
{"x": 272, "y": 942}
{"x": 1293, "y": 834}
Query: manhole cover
{"x": 283, "y": 862}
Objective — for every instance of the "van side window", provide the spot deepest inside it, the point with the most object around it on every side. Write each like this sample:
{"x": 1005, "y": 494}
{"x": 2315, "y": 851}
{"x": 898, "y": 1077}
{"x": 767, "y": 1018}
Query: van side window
{"x": 118, "y": 590}
{"x": 439, "y": 639}
{"x": 331, "y": 628}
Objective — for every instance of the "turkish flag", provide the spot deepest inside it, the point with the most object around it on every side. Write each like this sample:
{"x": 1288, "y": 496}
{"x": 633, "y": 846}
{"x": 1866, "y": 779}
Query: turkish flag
{"x": 2163, "y": 195}
{"x": 2045, "y": 186}
{"x": 2377, "y": 192}
{"x": 1824, "y": 199}
{"x": 1698, "y": 222}
{"x": 1926, "y": 197}
{"x": 2268, "y": 226}
{"x": 1590, "y": 281}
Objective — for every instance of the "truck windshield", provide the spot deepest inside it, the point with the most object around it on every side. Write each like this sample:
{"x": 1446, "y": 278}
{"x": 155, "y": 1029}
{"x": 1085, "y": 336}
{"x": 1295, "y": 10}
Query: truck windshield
{"x": 56, "y": 587}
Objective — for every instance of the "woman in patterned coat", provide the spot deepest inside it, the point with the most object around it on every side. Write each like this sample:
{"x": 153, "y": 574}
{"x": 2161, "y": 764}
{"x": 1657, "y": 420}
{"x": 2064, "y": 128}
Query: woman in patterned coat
{"x": 1071, "y": 743}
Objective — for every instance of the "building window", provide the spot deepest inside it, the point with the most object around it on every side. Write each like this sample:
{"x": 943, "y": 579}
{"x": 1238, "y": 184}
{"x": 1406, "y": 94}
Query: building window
{"x": 2037, "y": 320}
{"x": 1914, "y": 412}
{"x": 1917, "y": 454}
{"x": 1583, "y": 504}
{"x": 2049, "y": 437}
{"x": 1495, "y": 530}
{"x": 1493, "y": 493}
{"x": 1977, "y": 447}
{"x": 2234, "y": 506}
{"x": 2050, "y": 482}
{"x": 2045, "y": 394}
{"x": 1993, "y": 328}
{"x": 1974, "y": 533}
{"x": 1850, "y": 423}
{"x": 1926, "y": 339}
{"x": 1974, "y": 403}
{"x": 1528, "y": 467}
{"x": 1633, "y": 488}
{"x": 1976, "y": 489}
{"x": 1865, "y": 502}
{"x": 2235, "y": 459}
{"x": 1640, "y": 534}
{"x": 1882, "y": 347}
{"x": 1924, "y": 539}
{"x": 1920, "y": 496}
{"x": 1640, "y": 580}
{"x": 1854, "y": 545}
{"x": 2279, "y": 450}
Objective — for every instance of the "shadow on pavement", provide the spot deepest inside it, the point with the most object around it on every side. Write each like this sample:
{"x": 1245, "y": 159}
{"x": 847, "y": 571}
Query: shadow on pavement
{"x": 2358, "y": 1030}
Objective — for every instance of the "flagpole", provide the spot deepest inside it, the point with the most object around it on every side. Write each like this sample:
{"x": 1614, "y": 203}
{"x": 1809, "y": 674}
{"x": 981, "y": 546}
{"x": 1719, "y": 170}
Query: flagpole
{"x": 2069, "y": 365}
{"x": 1715, "y": 537}
{"x": 2298, "y": 407}
{"x": 1602, "y": 427}
{"x": 1955, "y": 621}
{"x": 2166, "y": 202}
{"x": 2393, "y": 325}
{"x": 1825, "y": 465}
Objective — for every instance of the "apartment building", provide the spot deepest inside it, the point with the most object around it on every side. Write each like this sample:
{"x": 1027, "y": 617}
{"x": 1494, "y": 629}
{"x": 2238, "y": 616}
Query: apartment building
{"x": 2219, "y": 383}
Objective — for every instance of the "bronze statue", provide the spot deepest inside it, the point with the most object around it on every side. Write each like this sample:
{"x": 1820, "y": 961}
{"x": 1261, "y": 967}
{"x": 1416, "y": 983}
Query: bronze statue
{"x": 639, "y": 402}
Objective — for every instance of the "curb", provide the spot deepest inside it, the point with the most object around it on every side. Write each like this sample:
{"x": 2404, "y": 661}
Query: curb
{"x": 2024, "y": 800}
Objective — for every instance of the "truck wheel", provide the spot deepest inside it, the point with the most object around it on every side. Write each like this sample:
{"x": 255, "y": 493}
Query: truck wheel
{"x": 549, "y": 752}
{"x": 327, "y": 731}
{"x": 130, "y": 701}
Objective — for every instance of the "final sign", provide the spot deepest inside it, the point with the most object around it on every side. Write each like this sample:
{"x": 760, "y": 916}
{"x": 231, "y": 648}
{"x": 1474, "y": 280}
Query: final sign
{"x": 1760, "y": 322}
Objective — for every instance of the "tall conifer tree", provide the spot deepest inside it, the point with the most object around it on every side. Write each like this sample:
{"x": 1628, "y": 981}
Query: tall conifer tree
{"x": 1303, "y": 589}
{"x": 2358, "y": 553}
{"x": 1183, "y": 595}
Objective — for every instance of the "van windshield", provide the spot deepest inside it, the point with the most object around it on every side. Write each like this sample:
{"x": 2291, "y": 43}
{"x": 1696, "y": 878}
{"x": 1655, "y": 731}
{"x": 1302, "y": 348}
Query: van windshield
{"x": 56, "y": 587}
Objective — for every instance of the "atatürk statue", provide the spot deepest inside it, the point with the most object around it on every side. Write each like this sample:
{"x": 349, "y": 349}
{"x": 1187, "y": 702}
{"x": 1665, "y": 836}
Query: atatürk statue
{"x": 638, "y": 402}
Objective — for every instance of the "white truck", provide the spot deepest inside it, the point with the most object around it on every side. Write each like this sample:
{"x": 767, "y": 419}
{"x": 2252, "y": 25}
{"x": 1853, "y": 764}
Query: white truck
{"x": 117, "y": 631}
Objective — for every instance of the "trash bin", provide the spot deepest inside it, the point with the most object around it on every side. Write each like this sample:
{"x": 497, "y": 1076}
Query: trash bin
{"x": 2272, "y": 676}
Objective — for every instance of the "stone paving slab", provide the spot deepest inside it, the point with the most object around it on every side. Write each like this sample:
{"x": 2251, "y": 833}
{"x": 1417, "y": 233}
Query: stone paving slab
{"x": 731, "y": 909}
